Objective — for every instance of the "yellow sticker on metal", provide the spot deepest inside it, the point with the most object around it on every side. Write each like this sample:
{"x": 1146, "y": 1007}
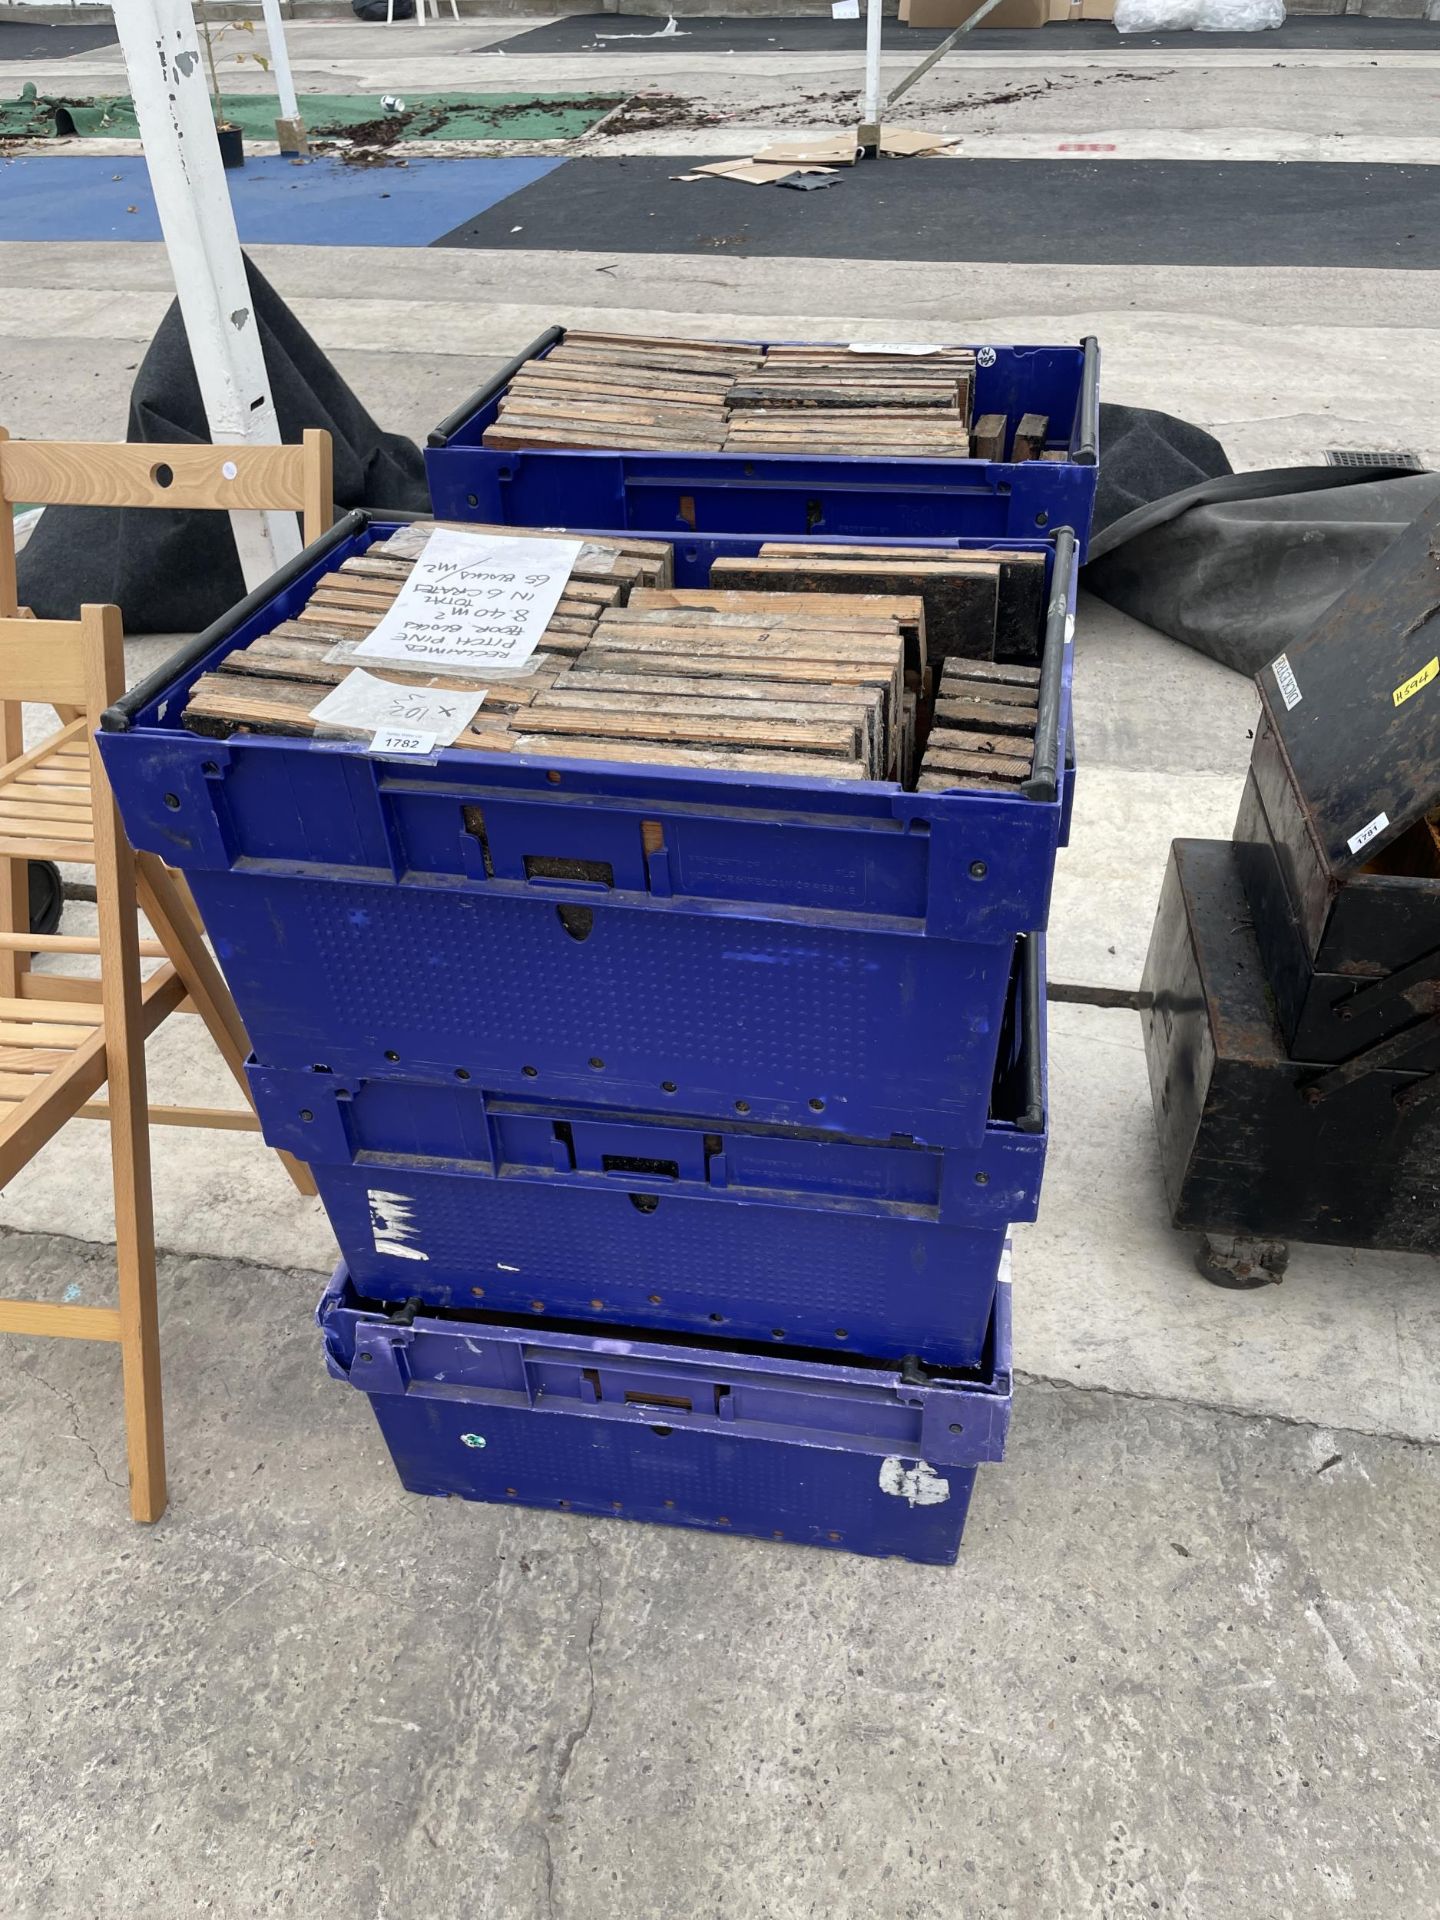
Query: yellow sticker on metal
{"x": 1417, "y": 680}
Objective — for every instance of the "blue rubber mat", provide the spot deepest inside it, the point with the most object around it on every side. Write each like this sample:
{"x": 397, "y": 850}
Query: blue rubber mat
{"x": 321, "y": 204}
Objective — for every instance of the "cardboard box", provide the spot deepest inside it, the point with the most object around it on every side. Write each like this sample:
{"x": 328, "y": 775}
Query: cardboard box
{"x": 1082, "y": 9}
{"x": 954, "y": 13}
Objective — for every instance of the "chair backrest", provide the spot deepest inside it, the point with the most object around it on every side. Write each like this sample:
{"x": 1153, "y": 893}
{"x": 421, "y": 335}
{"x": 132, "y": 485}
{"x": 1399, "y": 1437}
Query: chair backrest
{"x": 65, "y": 663}
{"x": 81, "y": 473}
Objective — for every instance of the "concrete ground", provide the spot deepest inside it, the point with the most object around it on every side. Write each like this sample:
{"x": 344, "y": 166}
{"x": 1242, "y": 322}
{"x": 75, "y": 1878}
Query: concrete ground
{"x": 1187, "y": 1663}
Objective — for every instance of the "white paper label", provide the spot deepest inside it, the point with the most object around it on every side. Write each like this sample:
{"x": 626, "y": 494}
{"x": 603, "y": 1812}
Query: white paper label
{"x": 873, "y": 346}
{"x": 844, "y": 9}
{"x": 397, "y": 740}
{"x": 362, "y": 704}
{"x": 473, "y": 603}
{"x": 1286, "y": 682}
{"x": 1367, "y": 834}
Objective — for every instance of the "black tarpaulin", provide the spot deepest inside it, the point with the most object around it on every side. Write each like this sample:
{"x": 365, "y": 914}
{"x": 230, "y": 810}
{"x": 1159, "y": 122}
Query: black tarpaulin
{"x": 176, "y": 572}
{"x": 1238, "y": 566}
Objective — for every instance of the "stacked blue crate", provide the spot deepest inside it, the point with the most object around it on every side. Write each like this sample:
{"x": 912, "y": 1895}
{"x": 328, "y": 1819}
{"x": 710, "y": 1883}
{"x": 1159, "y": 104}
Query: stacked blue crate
{"x": 858, "y": 1455}
{"x": 591, "y": 1059}
{"x": 792, "y": 496}
{"x": 696, "y": 1225}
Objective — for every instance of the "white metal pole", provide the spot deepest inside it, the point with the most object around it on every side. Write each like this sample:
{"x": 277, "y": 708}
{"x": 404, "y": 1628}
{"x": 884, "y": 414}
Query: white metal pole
{"x": 177, "y": 130}
{"x": 284, "y": 81}
{"x": 870, "y": 108}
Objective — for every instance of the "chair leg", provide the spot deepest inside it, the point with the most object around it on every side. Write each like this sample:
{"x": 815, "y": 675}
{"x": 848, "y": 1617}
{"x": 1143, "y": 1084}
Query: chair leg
{"x": 139, "y": 1320}
{"x": 135, "y": 1273}
{"x": 122, "y": 997}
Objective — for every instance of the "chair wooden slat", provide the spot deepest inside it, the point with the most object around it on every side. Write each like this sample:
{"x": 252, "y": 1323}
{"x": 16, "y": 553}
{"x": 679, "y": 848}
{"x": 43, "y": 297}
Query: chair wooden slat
{"x": 38, "y": 1317}
{"x": 33, "y": 1008}
{"x": 29, "y": 847}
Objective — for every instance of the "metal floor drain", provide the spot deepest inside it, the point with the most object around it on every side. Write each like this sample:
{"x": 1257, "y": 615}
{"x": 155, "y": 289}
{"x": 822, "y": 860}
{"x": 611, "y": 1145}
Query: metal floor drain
{"x": 1372, "y": 457}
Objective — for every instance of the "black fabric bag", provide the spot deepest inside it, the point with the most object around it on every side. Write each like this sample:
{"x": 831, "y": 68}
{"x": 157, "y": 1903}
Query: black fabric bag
{"x": 176, "y": 572}
{"x": 1238, "y": 566}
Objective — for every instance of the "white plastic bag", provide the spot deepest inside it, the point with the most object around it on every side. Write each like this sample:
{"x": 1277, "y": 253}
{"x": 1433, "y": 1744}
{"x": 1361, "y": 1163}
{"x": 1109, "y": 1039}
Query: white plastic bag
{"x": 1199, "y": 16}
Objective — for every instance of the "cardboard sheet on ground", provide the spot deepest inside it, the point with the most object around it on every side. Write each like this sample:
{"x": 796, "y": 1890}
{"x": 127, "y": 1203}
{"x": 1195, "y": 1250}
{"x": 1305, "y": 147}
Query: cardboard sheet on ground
{"x": 823, "y": 149}
{"x": 753, "y": 173}
{"x": 902, "y": 143}
{"x": 474, "y": 603}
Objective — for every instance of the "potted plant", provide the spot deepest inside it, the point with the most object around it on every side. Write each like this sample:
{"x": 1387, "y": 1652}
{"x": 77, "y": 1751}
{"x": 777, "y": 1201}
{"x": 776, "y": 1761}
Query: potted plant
{"x": 232, "y": 142}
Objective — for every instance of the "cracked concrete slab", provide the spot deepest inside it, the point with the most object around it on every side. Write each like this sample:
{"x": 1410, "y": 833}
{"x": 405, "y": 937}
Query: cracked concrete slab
{"x": 1185, "y": 1666}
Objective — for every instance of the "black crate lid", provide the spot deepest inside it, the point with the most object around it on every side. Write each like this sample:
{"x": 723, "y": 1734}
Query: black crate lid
{"x": 1357, "y": 701}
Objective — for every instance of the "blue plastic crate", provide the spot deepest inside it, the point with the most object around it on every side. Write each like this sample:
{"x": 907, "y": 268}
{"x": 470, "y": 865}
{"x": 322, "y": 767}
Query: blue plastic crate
{"x": 803, "y": 952}
{"x": 782, "y": 1445}
{"x": 884, "y": 1248}
{"x": 790, "y": 496}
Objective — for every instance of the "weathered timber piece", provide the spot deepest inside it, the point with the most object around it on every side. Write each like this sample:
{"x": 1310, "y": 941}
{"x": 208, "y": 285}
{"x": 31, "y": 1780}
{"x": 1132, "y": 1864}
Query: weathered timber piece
{"x": 726, "y": 679}
{"x": 222, "y": 704}
{"x": 763, "y": 682}
{"x": 837, "y": 434}
{"x": 987, "y": 437}
{"x": 890, "y": 397}
{"x": 512, "y": 435}
{"x": 837, "y": 613}
{"x": 960, "y": 596}
{"x": 672, "y": 723}
{"x": 361, "y": 592}
{"x": 1325, "y": 1155}
{"x": 280, "y": 657}
{"x": 1020, "y": 597}
{"x": 621, "y": 558}
{"x": 956, "y": 674}
{"x": 1030, "y": 432}
{"x": 593, "y": 391}
{"x": 787, "y": 661}
{"x": 983, "y": 729}
{"x": 949, "y": 373}
{"x": 278, "y": 707}
{"x": 703, "y": 649}
{"x": 709, "y": 759}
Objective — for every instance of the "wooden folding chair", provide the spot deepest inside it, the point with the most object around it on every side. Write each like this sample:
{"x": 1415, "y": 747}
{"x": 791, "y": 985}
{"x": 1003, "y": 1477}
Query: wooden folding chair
{"x": 47, "y": 801}
{"x": 55, "y": 1051}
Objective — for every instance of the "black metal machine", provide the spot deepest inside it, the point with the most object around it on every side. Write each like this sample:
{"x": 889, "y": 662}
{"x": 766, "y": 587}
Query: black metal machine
{"x": 1292, "y": 988}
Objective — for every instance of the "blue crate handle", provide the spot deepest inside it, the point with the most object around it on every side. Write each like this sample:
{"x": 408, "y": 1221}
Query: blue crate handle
{"x": 1087, "y": 451}
{"x": 1044, "y": 781}
{"x": 440, "y": 435}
